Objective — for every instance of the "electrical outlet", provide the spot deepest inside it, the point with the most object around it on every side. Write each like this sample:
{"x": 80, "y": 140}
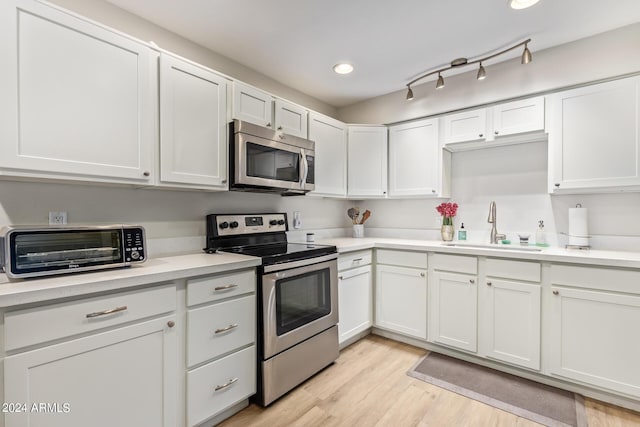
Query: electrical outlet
{"x": 57, "y": 218}
{"x": 297, "y": 221}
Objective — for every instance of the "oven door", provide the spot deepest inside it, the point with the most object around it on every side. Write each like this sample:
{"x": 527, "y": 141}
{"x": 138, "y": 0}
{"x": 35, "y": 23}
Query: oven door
{"x": 299, "y": 301}
{"x": 261, "y": 162}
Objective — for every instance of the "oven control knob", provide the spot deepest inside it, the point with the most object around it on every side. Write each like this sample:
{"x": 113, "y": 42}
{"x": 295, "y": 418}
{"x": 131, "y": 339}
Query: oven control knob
{"x": 224, "y": 225}
{"x": 281, "y": 222}
{"x": 233, "y": 224}
{"x": 135, "y": 255}
{"x": 273, "y": 222}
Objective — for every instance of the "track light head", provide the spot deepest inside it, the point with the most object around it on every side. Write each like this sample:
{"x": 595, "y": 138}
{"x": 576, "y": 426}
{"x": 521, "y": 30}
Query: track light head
{"x": 526, "y": 55}
{"x": 440, "y": 82}
{"x": 482, "y": 73}
{"x": 409, "y": 93}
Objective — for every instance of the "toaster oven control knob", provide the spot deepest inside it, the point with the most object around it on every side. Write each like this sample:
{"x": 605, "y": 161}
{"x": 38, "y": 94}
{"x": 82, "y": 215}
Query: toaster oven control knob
{"x": 135, "y": 255}
{"x": 233, "y": 224}
{"x": 273, "y": 222}
{"x": 281, "y": 222}
{"x": 224, "y": 225}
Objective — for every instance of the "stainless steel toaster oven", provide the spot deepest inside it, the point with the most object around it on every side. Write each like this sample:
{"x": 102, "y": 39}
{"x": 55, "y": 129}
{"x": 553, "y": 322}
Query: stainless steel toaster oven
{"x": 32, "y": 251}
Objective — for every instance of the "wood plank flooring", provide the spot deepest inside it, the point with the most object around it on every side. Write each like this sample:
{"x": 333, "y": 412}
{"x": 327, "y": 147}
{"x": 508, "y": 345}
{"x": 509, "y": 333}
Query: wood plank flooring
{"x": 368, "y": 386}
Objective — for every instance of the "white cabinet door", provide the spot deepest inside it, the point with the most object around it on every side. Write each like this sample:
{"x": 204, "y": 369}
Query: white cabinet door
{"x": 415, "y": 160}
{"x": 132, "y": 370}
{"x": 252, "y": 105}
{"x": 510, "y": 326}
{"x": 291, "y": 119}
{"x": 367, "y": 161}
{"x": 453, "y": 307}
{"x": 516, "y": 117}
{"x": 355, "y": 296}
{"x": 401, "y": 300}
{"x": 594, "y": 139}
{"x": 593, "y": 339}
{"x": 465, "y": 126}
{"x": 193, "y": 125}
{"x": 79, "y": 101}
{"x": 330, "y": 137}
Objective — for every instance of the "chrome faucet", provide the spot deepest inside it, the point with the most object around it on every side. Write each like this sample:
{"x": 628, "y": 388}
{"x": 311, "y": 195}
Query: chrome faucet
{"x": 495, "y": 236}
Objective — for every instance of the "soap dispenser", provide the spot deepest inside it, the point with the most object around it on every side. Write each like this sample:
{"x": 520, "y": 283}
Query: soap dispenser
{"x": 541, "y": 240}
{"x": 462, "y": 233}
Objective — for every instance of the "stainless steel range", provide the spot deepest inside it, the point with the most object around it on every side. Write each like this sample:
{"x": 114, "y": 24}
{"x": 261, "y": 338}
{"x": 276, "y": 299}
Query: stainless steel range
{"x": 297, "y": 294}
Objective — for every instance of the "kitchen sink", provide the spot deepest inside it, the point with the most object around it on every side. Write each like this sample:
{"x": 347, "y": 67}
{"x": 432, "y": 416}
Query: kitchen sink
{"x": 492, "y": 246}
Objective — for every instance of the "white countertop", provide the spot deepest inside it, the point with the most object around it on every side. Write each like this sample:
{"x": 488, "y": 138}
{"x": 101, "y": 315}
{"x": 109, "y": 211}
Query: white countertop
{"x": 154, "y": 270}
{"x": 550, "y": 254}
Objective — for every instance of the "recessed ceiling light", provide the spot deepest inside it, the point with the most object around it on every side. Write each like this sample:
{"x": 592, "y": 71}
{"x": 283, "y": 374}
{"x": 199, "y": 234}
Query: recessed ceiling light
{"x": 522, "y": 4}
{"x": 343, "y": 68}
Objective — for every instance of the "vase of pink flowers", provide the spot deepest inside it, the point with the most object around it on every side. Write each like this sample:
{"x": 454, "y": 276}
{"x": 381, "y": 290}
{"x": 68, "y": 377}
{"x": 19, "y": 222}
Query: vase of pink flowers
{"x": 448, "y": 211}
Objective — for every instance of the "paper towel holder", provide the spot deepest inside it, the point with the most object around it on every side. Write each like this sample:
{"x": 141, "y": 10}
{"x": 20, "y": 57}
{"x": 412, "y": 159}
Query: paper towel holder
{"x": 579, "y": 247}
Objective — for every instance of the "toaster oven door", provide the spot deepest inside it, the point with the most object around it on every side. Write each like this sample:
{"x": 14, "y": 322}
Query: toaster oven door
{"x": 42, "y": 252}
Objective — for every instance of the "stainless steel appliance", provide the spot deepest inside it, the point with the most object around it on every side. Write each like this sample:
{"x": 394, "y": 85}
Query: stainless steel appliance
{"x": 32, "y": 251}
{"x": 261, "y": 159}
{"x": 297, "y": 294}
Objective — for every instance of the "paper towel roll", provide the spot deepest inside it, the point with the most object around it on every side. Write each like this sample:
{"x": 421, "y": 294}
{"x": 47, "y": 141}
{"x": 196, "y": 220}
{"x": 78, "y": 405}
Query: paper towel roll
{"x": 578, "y": 227}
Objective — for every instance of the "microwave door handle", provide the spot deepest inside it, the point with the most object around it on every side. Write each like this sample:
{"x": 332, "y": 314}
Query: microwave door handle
{"x": 305, "y": 168}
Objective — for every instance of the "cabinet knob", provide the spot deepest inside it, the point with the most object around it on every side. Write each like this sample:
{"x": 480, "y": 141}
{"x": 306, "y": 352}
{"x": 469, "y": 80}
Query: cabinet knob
{"x": 556, "y": 292}
{"x": 488, "y": 283}
{"x": 341, "y": 277}
{"x": 279, "y": 127}
{"x": 224, "y": 181}
{"x": 472, "y": 281}
{"x": 557, "y": 184}
{"x": 421, "y": 274}
{"x": 146, "y": 173}
{"x": 269, "y": 124}
{"x": 496, "y": 132}
{"x": 481, "y": 135}
{"x": 171, "y": 323}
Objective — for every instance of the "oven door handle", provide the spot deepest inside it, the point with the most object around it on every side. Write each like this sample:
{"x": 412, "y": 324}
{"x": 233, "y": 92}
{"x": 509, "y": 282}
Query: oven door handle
{"x": 304, "y": 165}
{"x": 300, "y": 263}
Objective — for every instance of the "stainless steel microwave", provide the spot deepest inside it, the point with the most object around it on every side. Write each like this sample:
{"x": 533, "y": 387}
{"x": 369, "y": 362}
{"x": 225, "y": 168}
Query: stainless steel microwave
{"x": 32, "y": 251}
{"x": 264, "y": 160}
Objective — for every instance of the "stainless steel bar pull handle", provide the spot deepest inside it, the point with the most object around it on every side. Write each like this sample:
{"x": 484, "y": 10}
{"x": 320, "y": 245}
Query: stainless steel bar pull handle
{"x": 226, "y": 328}
{"x": 105, "y": 312}
{"x": 225, "y": 287}
{"x": 227, "y": 384}
{"x": 305, "y": 168}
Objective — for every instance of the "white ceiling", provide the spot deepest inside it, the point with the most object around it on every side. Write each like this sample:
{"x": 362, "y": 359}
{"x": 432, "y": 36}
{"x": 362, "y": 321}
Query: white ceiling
{"x": 297, "y": 42}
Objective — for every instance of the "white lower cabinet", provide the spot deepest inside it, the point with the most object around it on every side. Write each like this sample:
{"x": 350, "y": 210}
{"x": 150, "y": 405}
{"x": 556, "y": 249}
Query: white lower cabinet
{"x": 123, "y": 376}
{"x": 401, "y": 292}
{"x": 354, "y": 302}
{"x": 592, "y": 336}
{"x": 221, "y": 343}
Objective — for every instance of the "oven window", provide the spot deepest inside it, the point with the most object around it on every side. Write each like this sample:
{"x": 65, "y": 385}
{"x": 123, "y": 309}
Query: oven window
{"x": 42, "y": 251}
{"x": 302, "y": 299}
{"x": 271, "y": 163}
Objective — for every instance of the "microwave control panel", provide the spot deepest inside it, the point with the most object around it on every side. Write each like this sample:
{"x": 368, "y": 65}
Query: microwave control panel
{"x": 134, "y": 247}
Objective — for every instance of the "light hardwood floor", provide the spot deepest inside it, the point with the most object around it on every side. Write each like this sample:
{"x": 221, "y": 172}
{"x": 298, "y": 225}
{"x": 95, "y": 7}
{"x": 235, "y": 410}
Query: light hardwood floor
{"x": 368, "y": 386}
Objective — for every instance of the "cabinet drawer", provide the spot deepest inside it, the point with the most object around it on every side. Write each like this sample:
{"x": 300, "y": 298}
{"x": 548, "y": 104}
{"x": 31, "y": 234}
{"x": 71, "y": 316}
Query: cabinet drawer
{"x": 206, "y": 391}
{"x": 40, "y": 324}
{"x": 212, "y": 288}
{"x": 519, "y": 270}
{"x": 457, "y": 263}
{"x": 607, "y": 279}
{"x": 401, "y": 258}
{"x": 220, "y": 328}
{"x": 354, "y": 259}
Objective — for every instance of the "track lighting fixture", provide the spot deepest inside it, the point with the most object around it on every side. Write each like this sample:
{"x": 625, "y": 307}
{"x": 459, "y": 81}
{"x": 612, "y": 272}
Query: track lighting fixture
{"x": 462, "y": 62}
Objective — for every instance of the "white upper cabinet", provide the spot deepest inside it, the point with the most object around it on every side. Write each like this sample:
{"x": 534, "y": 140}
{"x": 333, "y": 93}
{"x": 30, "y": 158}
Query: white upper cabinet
{"x": 330, "y": 137}
{"x": 415, "y": 160}
{"x": 291, "y": 119}
{"x": 252, "y": 105}
{"x": 517, "y": 117}
{"x": 79, "y": 101}
{"x": 465, "y": 126}
{"x": 193, "y": 123}
{"x": 594, "y": 138}
{"x": 367, "y": 161}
